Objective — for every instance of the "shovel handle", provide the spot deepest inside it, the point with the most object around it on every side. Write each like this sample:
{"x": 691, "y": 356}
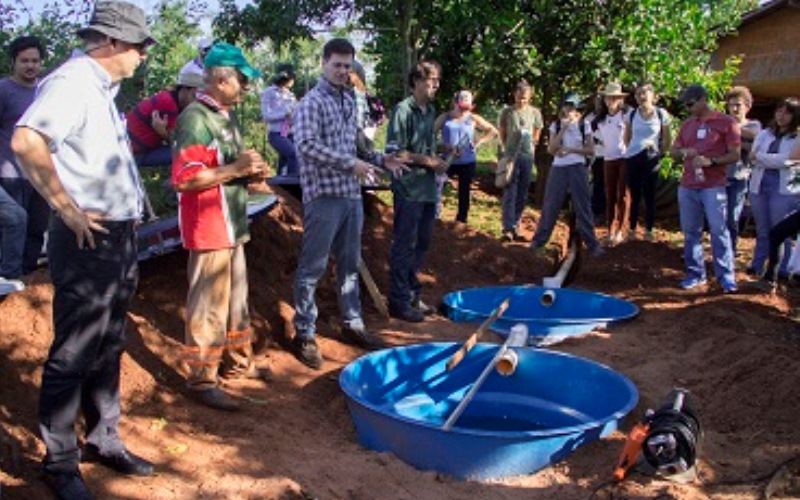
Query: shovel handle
{"x": 473, "y": 339}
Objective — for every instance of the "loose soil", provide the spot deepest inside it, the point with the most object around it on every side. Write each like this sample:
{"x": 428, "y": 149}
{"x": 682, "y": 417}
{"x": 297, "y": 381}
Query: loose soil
{"x": 738, "y": 354}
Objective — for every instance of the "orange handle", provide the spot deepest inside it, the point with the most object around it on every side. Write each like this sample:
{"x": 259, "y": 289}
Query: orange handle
{"x": 631, "y": 450}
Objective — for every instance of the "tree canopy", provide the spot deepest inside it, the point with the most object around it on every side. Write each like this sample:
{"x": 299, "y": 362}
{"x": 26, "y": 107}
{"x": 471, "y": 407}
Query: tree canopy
{"x": 488, "y": 46}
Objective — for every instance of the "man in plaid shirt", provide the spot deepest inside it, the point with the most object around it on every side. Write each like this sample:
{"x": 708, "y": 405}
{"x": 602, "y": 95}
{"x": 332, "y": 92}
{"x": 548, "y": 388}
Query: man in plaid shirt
{"x": 330, "y": 173}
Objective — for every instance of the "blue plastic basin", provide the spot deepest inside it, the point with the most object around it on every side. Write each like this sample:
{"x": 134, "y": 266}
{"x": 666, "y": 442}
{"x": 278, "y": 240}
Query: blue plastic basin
{"x": 572, "y": 312}
{"x": 553, "y": 403}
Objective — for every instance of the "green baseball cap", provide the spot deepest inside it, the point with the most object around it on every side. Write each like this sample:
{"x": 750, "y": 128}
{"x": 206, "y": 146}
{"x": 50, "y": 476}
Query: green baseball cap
{"x": 229, "y": 56}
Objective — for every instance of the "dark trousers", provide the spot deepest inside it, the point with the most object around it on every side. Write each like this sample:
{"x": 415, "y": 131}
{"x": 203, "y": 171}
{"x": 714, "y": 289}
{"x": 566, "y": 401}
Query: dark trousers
{"x": 465, "y": 174}
{"x": 642, "y": 177}
{"x": 157, "y": 157}
{"x": 38, "y": 211}
{"x": 412, "y": 232}
{"x": 788, "y": 227}
{"x": 93, "y": 289}
{"x": 287, "y": 154}
{"x": 598, "y": 187}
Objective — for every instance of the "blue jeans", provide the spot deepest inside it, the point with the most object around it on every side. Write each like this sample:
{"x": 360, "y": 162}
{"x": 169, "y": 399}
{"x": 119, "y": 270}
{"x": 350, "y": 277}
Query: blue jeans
{"x": 769, "y": 208}
{"x": 330, "y": 226}
{"x": 412, "y": 232}
{"x": 287, "y": 154}
{"x": 13, "y": 223}
{"x": 515, "y": 195}
{"x": 573, "y": 179}
{"x": 736, "y": 191}
{"x": 38, "y": 218}
{"x": 711, "y": 203}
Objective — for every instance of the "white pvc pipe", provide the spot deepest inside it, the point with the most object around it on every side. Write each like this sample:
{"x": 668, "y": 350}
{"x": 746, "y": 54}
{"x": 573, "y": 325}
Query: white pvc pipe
{"x": 517, "y": 337}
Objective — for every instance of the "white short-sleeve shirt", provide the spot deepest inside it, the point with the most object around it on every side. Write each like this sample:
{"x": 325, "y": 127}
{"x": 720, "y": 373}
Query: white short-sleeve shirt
{"x": 75, "y": 109}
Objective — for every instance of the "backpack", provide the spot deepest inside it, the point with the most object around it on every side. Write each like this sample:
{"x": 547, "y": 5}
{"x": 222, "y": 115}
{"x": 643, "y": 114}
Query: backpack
{"x": 659, "y": 116}
{"x": 582, "y": 128}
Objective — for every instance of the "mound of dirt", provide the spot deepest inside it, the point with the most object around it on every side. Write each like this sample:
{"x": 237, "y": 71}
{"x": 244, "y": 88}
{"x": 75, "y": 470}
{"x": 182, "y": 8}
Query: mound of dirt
{"x": 738, "y": 354}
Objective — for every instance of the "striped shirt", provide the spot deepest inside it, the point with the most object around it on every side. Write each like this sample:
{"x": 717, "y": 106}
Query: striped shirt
{"x": 325, "y": 137}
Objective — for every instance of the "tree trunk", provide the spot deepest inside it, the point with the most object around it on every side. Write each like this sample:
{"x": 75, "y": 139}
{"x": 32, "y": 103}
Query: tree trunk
{"x": 406, "y": 11}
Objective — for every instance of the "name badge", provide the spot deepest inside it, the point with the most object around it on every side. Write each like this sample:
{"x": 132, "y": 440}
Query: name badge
{"x": 701, "y": 133}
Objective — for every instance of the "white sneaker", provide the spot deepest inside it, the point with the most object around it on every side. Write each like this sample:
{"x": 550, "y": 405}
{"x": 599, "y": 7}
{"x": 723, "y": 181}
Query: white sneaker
{"x": 10, "y": 286}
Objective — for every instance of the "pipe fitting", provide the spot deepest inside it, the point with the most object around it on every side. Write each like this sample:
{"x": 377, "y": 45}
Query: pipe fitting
{"x": 548, "y": 298}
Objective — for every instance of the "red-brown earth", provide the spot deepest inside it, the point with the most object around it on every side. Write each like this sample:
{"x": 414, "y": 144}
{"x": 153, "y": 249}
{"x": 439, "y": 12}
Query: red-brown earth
{"x": 738, "y": 354}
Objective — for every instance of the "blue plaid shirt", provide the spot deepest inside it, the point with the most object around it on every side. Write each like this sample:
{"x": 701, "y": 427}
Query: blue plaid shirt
{"x": 325, "y": 125}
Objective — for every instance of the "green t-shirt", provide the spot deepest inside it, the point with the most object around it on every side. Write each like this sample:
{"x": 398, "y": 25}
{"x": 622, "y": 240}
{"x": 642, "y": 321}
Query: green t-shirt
{"x": 518, "y": 128}
{"x": 411, "y": 129}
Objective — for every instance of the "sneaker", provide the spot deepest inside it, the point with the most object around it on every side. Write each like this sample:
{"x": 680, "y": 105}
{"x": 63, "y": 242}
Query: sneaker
{"x": 67, "y": 485}
{"x": 10, "y": 286}
{"x": 307, "y": 352}
{"x": 362, "y": 338}
{"x": 692, "y": 283}
{"x": 766, "y": 286}
{"x": 751, "y": 271}
{"x": 425, "y": 309}
{"x": 408, "y": 314}
{"x": 729, "y": 287}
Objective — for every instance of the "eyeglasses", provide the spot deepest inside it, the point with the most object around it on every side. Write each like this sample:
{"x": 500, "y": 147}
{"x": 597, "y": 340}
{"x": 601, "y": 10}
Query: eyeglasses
{"x": 691, "y": 103}
{"x": 141, "y": 48}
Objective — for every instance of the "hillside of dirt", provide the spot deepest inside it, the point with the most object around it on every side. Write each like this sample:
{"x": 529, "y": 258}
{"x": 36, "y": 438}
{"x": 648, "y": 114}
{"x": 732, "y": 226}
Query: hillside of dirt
{"x": 738, "y": 354}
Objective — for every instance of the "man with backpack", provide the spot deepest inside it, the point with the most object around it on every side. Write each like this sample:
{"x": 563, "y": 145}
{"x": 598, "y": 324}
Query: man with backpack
{"x": 571, "y": 146}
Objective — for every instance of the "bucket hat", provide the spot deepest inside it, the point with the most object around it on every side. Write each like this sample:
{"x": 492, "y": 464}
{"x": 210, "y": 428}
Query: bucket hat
{"x": 613, "y": 89}
{"x": 120, "y": 21}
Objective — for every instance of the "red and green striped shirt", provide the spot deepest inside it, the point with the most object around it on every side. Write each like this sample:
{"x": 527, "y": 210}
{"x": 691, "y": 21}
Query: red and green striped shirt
{"x": 207, "y": 137}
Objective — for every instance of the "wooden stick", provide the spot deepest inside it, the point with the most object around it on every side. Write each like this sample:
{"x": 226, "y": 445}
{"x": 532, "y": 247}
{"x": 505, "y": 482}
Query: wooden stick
{"x": 473, "y": 339}
{"x": 372, "y": 288}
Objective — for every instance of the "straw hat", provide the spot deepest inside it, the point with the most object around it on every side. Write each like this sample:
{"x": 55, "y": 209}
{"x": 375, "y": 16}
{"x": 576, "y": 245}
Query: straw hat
{"x": 613, "y": 89}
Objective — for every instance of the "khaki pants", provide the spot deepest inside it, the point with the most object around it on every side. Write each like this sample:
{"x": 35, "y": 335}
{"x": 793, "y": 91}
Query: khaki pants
{"x": 217, "y": 316}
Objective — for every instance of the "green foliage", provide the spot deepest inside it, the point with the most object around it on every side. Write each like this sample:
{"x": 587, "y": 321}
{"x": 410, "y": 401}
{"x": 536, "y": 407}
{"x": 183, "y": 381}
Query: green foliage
{"x": 488, "y": 46}
{"x": 55, "y": 26}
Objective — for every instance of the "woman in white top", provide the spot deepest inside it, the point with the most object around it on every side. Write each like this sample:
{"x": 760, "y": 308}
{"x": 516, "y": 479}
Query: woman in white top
{"x": 773, "y": 192}
{"x": 571, "y": 146}
{"x": 648, "y": 137}
{"x": 610, "y": 127}
{"x": 277, "y": 105}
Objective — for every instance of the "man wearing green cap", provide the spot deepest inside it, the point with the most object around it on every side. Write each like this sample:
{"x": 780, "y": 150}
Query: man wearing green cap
{"x": 72, "y": 145}
{"x": 211, "y": 171}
